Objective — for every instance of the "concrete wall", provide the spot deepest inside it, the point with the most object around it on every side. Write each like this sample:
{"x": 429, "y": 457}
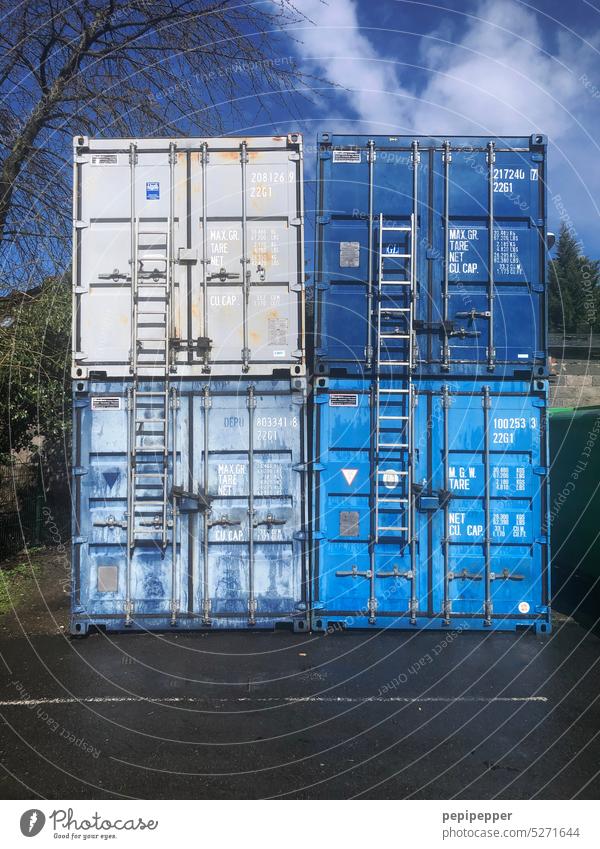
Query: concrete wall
{"x": 577, "y": 383}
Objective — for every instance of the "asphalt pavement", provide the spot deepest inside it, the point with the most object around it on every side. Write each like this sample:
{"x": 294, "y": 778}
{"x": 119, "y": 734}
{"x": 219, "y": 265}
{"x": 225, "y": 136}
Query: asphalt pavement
{"x": 378, "y": 714}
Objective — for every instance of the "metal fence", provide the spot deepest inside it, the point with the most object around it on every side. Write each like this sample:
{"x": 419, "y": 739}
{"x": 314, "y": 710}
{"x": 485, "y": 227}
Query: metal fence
{"x": 31, "y": 513}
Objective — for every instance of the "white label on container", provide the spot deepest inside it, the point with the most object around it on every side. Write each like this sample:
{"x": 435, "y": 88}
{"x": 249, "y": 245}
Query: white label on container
{"x": 349, "y": 254}
{"x": 279, "y": 354}
{"x": 524, "y": 607}
{"x": 104, "y": 159}
{"x": 349, "y": 475}
{"x": 522, "y": 356}
{"x": 343, "y": 399}
{"x": 350, "y": 157}
{"x": 277, "y": 331}
{"x": 106, "y": 402}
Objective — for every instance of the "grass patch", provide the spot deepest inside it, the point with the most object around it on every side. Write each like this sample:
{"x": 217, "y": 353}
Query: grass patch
{"x": 16, "y": 582}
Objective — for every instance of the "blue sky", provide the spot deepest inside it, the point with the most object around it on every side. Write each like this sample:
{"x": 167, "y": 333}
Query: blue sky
{"x": 464, "y": 67}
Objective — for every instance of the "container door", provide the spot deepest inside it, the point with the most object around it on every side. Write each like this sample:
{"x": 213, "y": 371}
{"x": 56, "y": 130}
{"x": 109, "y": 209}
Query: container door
{"x": 489, "y": 472}
{"x": 494, "y": 310}
{"x": 247, "y": 231}
{"x": 251, "y": 549}
{"x": 357, "y": 580}
{"x": 357, "y": 184}
{"x": 115, "y": 585}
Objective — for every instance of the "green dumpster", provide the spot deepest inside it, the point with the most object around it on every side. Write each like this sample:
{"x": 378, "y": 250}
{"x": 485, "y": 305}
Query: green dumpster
{"x": 575, "y": 491}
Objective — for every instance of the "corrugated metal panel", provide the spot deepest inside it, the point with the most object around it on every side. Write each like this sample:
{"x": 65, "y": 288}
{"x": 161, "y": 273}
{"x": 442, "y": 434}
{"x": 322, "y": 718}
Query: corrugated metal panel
{"x": 479, "y": 250}
{"x": 226, "y": 559}
{"x": 218, "y": 220}
{"x": 470, "y": 547}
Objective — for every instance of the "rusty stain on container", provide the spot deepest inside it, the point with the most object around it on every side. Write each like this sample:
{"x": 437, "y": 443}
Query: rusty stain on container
{"x": 261, "y": 256}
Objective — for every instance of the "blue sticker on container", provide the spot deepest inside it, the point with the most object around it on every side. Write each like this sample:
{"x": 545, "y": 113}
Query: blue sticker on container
{"x": 153, "y": 190}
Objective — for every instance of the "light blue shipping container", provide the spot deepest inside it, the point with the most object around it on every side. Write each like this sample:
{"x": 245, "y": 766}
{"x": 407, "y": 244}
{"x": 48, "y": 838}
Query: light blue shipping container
{"x": 430, "y": 504}
{"x": 189, "y": 504}
{"x": 438, "y": 240}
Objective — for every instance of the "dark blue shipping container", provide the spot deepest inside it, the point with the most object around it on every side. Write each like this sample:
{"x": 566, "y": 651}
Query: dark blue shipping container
{"x": 430, "y": 504}
{"x": 189, "y": 504}
{"x": 439, "y": 238}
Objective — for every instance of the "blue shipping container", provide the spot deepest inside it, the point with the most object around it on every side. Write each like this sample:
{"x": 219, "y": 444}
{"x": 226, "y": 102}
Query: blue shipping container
{"x": 163, "y": 538}
{"x": 461, "y": 222}
{"x": 430, "y": 504}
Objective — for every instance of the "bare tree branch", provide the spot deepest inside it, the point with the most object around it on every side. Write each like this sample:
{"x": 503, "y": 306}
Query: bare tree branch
{"x": 121, "y": 67}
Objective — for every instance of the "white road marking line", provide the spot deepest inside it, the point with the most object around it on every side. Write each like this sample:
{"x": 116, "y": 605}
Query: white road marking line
{"x": 174, "y": 700}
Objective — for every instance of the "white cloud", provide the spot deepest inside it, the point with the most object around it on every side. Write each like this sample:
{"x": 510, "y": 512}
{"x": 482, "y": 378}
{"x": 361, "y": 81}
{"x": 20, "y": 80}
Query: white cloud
{"x": 494, "y": 70}
{"x": 494, "y": 77}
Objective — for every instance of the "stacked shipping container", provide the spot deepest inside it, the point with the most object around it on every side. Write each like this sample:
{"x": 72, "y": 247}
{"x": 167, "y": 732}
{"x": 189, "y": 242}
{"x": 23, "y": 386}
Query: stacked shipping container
{"x": 430, "y": 449}
{"x": 189, "y": 384}
{"x": 428, "y": 440}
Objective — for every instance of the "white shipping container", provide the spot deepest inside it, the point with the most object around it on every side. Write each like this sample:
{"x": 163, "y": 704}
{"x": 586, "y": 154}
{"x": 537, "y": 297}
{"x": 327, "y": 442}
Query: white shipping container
{"x": 188, "y": 257}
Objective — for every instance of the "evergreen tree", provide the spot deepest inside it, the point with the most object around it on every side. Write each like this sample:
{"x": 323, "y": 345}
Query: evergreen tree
{"x": 574, "y": 302}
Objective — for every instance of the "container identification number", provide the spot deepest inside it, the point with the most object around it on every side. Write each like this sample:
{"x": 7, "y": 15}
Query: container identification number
{"x": 269, "y": 428}
{"x": 263, "y": 180}
{"x": 505, "y": 427}
{"x": 503, "y": 178}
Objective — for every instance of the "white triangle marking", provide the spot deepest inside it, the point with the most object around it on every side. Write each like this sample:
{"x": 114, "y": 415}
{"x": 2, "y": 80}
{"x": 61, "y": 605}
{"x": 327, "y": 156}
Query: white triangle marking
{"x": 349, "y": 475}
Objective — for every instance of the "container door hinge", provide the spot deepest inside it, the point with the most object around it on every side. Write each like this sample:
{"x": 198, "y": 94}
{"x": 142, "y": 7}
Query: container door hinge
{"x": 79, "y": 540}
{"x": 432, "y": 253}
{"x": 318, "y": 467}
{"x": 294, "y": 157}
{"x": 296, "y": 222}
{"x": 187, "y": 255}
{"x": 318, "y": 605}
{"x": 539, "y": 402}
{"x": 319, "y": 535}
{"x": 539, "y": 355}
{"x": 301, "y": 536}
{"x": 325, "y": 154}
{"x": 80, "y": 224}
{"x": 80, "y": 355}
{"x": 300, "y": 467}
{"x": 323, "y": 219}
{"x": 446, "y": 327}
{"x": 433, "y": 500}
{"x": 81, "y": 402}
{"x": 540, "y": 470}
{"x": 296, "y": 287}
{"x": 542, "y": 540}
{"x": 81, "y": 290}
{"x": 79, "y": 471}
{"x": 537, "y": 287}
{"x": 297, "y": 354}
